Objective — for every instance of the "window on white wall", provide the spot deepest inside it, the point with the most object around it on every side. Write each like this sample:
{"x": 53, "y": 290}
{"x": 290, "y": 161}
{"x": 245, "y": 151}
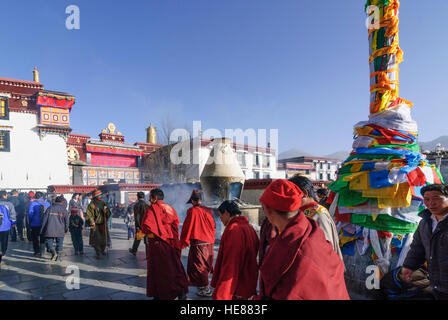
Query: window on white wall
{"x": 4, "y": 108}
{"x": 256, "y": 160}
{"x": 5, "y": 145}
{"x": 241, "y": 158}
{"x": 266, "y": 161}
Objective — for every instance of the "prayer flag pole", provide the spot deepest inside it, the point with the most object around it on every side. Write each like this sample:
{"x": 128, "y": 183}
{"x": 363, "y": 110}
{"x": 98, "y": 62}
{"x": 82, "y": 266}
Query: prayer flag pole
{"x": 377, "y": 192}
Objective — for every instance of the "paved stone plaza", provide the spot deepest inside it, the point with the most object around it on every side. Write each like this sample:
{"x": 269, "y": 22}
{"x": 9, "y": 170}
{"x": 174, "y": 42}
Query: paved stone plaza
{"x": 118, "y": 276}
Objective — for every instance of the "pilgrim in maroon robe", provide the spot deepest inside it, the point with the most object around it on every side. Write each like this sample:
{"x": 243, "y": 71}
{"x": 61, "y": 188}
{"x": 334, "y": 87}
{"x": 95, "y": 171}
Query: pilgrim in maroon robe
{"x": 198, "y": 232}
{"x": 166, "y": 278}
{"x": 236, "y": 270}
{"x": 300, "y": 263}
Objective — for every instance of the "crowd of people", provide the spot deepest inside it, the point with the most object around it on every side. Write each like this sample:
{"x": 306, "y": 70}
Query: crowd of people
{"x": 44, "y": 220}
{"x": 295, "y": 256}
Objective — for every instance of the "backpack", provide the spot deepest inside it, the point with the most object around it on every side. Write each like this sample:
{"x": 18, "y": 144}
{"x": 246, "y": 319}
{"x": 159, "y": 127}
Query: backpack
{"x": 41, "y": 211}
{"x": 4, "y": 215}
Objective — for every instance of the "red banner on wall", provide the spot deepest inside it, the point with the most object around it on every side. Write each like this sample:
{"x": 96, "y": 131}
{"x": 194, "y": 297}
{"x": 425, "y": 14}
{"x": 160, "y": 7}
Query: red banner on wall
{"x": 112, "y": 150}
{"x": 52, "y": 100}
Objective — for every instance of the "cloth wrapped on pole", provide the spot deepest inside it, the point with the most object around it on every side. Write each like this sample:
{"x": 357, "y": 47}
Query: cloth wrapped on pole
{"x": 376, "y": 197}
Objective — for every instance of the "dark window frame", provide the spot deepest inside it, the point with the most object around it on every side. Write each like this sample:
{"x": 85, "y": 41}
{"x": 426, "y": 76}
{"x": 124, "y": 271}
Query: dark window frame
{"x": 7, "y": 147}
{"x": 6, "y": 116}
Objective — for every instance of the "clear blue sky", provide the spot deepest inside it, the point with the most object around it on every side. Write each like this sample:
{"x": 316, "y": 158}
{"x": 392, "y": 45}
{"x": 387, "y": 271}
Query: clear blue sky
{"x": 294, "y": 65}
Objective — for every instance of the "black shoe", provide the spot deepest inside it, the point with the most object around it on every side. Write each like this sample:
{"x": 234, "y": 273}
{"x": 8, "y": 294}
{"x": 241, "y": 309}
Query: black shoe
{"x": 53, "y": 255}
{"x": 132, "y": 251}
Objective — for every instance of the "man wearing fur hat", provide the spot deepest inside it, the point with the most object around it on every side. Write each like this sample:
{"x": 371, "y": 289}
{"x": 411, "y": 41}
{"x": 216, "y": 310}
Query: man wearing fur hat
{"x": 97, "y": 214}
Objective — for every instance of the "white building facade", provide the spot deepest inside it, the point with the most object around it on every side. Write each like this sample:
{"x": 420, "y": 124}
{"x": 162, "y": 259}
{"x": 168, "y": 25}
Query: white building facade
{"x": 317, "y": 168}
{"x": 34, "y": 124}
{"x": 191, "y": 156}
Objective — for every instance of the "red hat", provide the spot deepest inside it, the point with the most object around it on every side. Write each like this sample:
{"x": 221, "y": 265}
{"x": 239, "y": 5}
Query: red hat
{"x": 282, "y": 195}
{"x": 74, "y": 209}
{"x": 31, "y": 194}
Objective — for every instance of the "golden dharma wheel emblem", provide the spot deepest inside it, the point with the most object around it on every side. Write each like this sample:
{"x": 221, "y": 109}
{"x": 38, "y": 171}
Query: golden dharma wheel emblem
{"x": 72, "y": 154}
{"x": 111, "y": 128}
{"x": 24, "y": 103}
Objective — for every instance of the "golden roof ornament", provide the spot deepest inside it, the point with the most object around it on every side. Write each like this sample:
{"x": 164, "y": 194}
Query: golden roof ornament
{"x": 111, "y": 127}
{"x": 35, "y": 75}
{"x": 151, "y": 135}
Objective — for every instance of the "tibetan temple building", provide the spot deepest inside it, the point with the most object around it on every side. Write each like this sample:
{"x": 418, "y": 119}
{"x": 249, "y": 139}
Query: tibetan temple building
{"x": 109, "y": 159}
{"x": 34, "y": 126}
{"x": 37, "y": 148}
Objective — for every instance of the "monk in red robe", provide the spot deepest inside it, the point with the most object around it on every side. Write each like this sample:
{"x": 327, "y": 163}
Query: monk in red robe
{"x": 166, "y": 278}
{"x": 236, "y": 271}
{"x": 198, "y": 232}
{"x": 300, "y": 264}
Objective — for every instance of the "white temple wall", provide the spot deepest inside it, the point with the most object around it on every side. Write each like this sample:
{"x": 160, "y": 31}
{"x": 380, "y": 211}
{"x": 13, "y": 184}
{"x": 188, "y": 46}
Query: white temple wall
{"x": 32, "y": 162}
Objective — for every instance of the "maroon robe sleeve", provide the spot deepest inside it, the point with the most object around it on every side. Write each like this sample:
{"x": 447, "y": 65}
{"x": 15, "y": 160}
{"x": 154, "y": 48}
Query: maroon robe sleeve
{"x": 186, "y": 230}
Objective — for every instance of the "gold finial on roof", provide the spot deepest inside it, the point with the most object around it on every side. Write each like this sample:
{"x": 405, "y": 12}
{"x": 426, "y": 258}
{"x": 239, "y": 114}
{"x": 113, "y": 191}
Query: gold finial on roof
{"x": 151, "y": 135}
{"x": 35, "y": 75}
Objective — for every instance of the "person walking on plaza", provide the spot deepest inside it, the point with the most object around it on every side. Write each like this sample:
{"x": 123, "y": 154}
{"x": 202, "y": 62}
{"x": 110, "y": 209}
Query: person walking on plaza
{"x": 14, "y": 199}
{"x": 7, "y": 221}
{"x": 108, "y": 200}
{"x": 430, "y": 241}
{"x": 35, "y": 216}
{"x": 198, "y": 232}
{"x": 28, "y": 199}
{"x": 76, "y": 224}
{"x": 318, "y": 212}
{"x": 97, "y": 214}
{"x": 166, "y": 278}
{"x": 130, "y": 224}
{"x": 140, "y": 209}
{"x": 300, "y": 263}
{"x": 236, "y": 270}
{"x": 75, "y": 201}
{"x": 87, "y": 198}
{"x": 21, "y": 217}
{"x": 55, "y": 225}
